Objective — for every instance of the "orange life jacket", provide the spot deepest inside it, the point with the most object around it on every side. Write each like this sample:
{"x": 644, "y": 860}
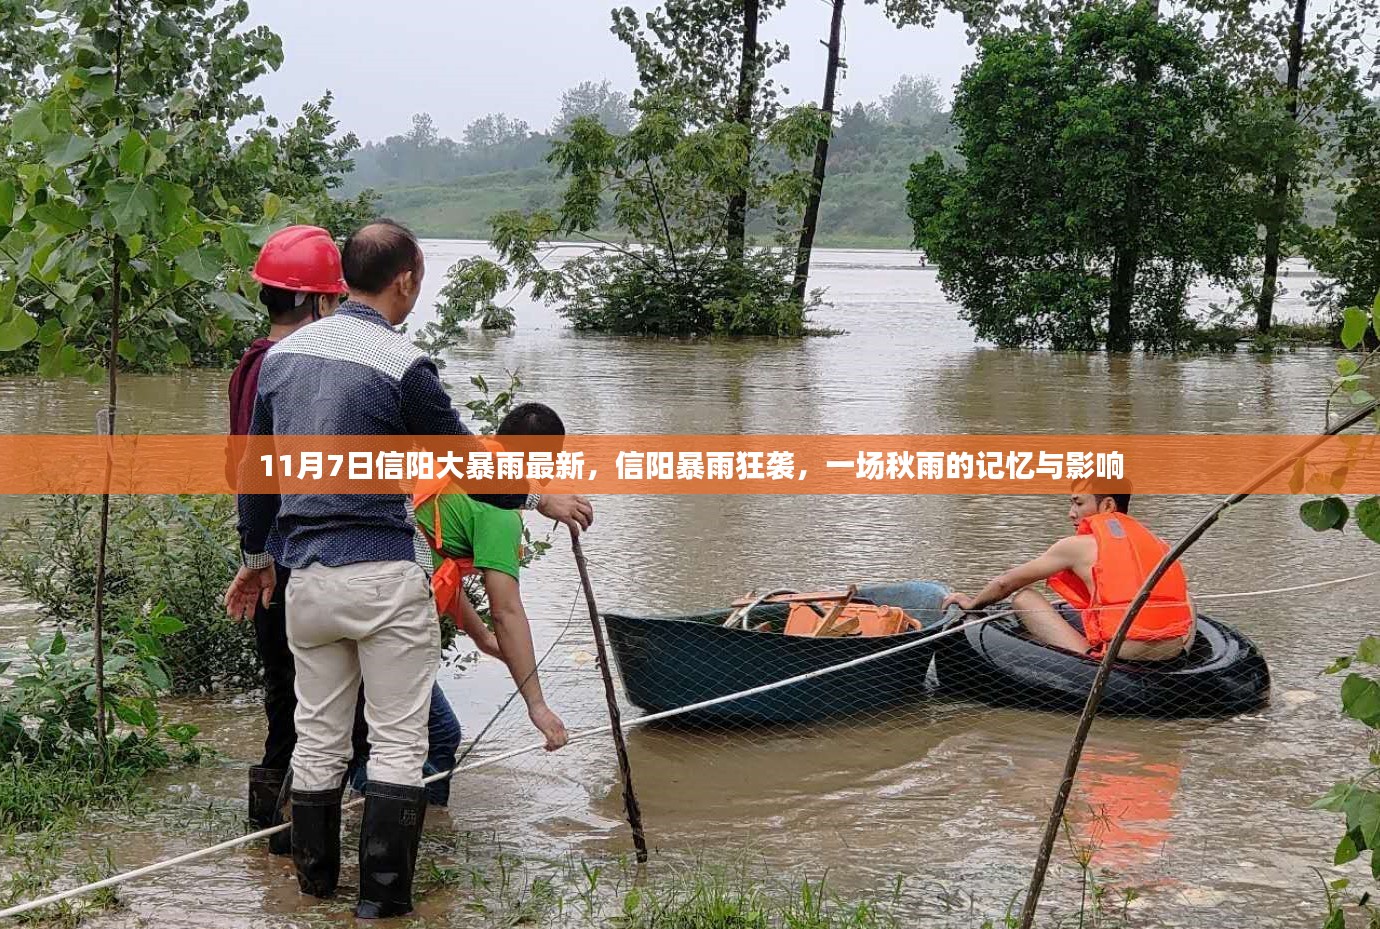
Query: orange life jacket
{"x": 1126, "y": 554}
{"x": 448, "y": 580}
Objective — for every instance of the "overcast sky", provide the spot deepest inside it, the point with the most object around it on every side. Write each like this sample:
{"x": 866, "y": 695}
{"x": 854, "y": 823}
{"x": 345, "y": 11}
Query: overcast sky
{"x": 461, "y": 59}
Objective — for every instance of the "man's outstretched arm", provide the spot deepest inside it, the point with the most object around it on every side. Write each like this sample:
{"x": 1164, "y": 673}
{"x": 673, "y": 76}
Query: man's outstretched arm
{"x": 1061, "y": 556}
{"x": 428, "y": 410}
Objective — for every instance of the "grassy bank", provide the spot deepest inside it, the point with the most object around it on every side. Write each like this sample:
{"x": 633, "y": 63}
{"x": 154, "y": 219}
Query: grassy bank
{"x": 462, "y": 210}
{"x": 469, "y": 880}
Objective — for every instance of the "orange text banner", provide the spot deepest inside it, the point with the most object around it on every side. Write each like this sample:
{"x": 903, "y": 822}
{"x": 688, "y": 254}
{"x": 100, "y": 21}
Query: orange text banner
{"x": 684, "y": 464}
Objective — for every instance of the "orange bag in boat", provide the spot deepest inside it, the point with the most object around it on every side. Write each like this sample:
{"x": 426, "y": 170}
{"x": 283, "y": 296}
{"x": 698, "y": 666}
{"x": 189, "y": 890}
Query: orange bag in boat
{"x": 866, "y": 619}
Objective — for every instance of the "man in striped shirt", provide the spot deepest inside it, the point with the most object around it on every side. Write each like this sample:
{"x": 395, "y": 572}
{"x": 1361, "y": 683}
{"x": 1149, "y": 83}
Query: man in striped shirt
{"x": 358, "y": 603}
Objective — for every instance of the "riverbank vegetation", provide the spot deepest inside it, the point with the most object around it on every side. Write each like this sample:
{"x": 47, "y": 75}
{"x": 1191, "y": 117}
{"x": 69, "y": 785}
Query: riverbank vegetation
{"x": 482, "y": 880}
{"x": 1357, "y": 799}
{"x": 130, "y": 205}
{"x": 1139, "y": 153}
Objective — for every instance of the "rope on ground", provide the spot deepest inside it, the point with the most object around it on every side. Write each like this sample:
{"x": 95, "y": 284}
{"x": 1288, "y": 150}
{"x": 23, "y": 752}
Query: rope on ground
{"x": 229, "y": 844}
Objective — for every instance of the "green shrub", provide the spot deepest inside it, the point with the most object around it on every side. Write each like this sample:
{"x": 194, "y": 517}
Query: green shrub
{"x": 173, "y": 551}
{"x": 49, "y": 757}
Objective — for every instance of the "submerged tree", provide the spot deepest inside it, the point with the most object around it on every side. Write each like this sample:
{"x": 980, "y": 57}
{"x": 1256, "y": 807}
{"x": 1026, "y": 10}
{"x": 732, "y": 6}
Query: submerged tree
{"x": 1302, "y": 66}
{"x": 811, "y": 221}
{"x": 1037, "y": 236}
{"x": 704, "y": 59}
{"x": 668, "y": 188}
{"x": 709, "y": 146}
{"x": 1346, "y": 254}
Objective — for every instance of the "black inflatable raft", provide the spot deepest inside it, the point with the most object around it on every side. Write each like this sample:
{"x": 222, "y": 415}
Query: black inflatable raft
{"x": 1223, "y": 674}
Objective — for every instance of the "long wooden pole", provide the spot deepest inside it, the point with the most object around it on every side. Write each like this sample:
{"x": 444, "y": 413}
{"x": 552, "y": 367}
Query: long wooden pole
{"x": 630, "y": 803}
{"x": 1080, "y": 736}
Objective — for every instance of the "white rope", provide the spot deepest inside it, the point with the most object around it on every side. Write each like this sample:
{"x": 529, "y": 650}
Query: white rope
{"x": 1288, "y": 590}
{"x": 198, "y": 855}
{"x": 504, "y": 756}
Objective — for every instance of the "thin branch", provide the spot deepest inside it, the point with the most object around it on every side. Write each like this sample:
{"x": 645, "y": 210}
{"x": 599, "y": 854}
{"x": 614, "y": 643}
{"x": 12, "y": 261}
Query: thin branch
{"x": 161, "y": 300}
{"x": 661, "y": 211}
{"x": 622, "y": 251}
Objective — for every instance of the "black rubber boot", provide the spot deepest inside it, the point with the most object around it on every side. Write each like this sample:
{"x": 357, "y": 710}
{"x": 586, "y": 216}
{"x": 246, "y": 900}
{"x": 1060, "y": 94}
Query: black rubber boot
{"x": 280, "y": 843}
{"x": 316, "y": 840}
{"x": 388, "y": 838}
{"x": 265, "y": 785}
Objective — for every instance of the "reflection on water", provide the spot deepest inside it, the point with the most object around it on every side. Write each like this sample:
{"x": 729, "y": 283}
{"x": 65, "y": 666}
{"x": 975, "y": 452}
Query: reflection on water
{"x": 1212, "y": 815}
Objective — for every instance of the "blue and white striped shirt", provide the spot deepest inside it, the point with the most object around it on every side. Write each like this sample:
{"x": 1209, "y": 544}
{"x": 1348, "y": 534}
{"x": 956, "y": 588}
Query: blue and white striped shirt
{"x": 348, "y": 374}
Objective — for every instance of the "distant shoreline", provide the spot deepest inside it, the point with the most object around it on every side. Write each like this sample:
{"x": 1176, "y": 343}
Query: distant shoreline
{"x": 868, "y": 243}
{"x": 1289, "y": 268}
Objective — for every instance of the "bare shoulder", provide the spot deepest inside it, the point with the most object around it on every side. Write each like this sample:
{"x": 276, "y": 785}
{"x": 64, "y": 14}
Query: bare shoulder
{"x": 1077, "y": 549}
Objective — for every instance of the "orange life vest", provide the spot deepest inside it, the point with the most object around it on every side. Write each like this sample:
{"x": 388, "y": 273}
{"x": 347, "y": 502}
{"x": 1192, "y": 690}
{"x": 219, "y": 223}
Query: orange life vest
{"x": 448, "y": 580}
{"x": 1126, "y": 554}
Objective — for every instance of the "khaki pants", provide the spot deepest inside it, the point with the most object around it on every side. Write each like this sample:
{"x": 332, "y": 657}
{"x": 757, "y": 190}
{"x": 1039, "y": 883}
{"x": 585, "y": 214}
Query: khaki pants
{"x": 378, "y": 619}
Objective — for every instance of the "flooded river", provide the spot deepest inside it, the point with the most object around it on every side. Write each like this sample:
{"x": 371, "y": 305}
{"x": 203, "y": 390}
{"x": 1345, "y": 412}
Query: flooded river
{"x": 1210, "y": 818}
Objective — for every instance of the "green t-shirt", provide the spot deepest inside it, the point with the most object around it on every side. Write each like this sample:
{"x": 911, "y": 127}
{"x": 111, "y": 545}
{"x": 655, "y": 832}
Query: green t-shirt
{"x": 469, "y": 529}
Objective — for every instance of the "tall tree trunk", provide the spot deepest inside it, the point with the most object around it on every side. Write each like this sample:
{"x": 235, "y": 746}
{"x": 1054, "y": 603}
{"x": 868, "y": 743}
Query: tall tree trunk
{"x": 1284, "y": 178}
{"x": 742, "y": 114}
{"x": 811, "y": 221}
{"x": 112, "y": 372}
{"x": 1126, "y": 261}
{"x": 1123, "y": 294}
{"x": 98, "y": 631}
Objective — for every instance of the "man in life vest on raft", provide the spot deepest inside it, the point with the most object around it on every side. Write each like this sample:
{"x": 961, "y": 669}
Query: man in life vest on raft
{"x": 1098, "y": 570}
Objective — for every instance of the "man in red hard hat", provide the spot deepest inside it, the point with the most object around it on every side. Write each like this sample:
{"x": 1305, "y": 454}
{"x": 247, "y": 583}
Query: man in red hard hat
{"x": 301, "y": 280}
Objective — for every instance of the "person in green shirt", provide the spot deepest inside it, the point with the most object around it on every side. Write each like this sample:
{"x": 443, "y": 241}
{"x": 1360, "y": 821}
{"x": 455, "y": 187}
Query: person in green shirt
{"x": 477, "y": 538}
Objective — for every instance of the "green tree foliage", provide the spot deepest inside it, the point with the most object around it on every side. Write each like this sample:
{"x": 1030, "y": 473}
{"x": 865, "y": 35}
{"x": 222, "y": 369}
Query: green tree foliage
{"x": 1356, "y": 799}
{"x": 491, "y": 131}
{"x": 610, "y": 107}
{"x": 304, "y": 164}
{"x": 914, "y": 101}
{"x": 703, "y": 61}
{"x": 422, "y": 156}
{"x": 1346, "y": 254}
{"x": 97, "y": 222}
{"x": 121, "y": 164}
{"x": 472, "y": 286}
{"x": 1302, "y": 65}
{"x": 688, "y": 55}
{"x": 1031, "y": 232}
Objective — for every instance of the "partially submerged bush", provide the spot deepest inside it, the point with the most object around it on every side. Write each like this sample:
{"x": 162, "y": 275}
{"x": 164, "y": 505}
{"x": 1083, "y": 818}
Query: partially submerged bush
{"x": 643, "y": 293}
{"x": 49, "y": 757}
{"x": 173, "y": 551}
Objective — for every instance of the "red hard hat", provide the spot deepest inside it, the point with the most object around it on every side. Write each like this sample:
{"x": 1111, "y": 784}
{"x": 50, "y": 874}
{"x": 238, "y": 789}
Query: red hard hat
{"x": 303, "y": 259}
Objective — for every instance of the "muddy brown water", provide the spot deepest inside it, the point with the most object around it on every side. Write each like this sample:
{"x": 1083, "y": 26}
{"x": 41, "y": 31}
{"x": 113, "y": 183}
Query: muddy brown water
{"x": 1209, "y": 818}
